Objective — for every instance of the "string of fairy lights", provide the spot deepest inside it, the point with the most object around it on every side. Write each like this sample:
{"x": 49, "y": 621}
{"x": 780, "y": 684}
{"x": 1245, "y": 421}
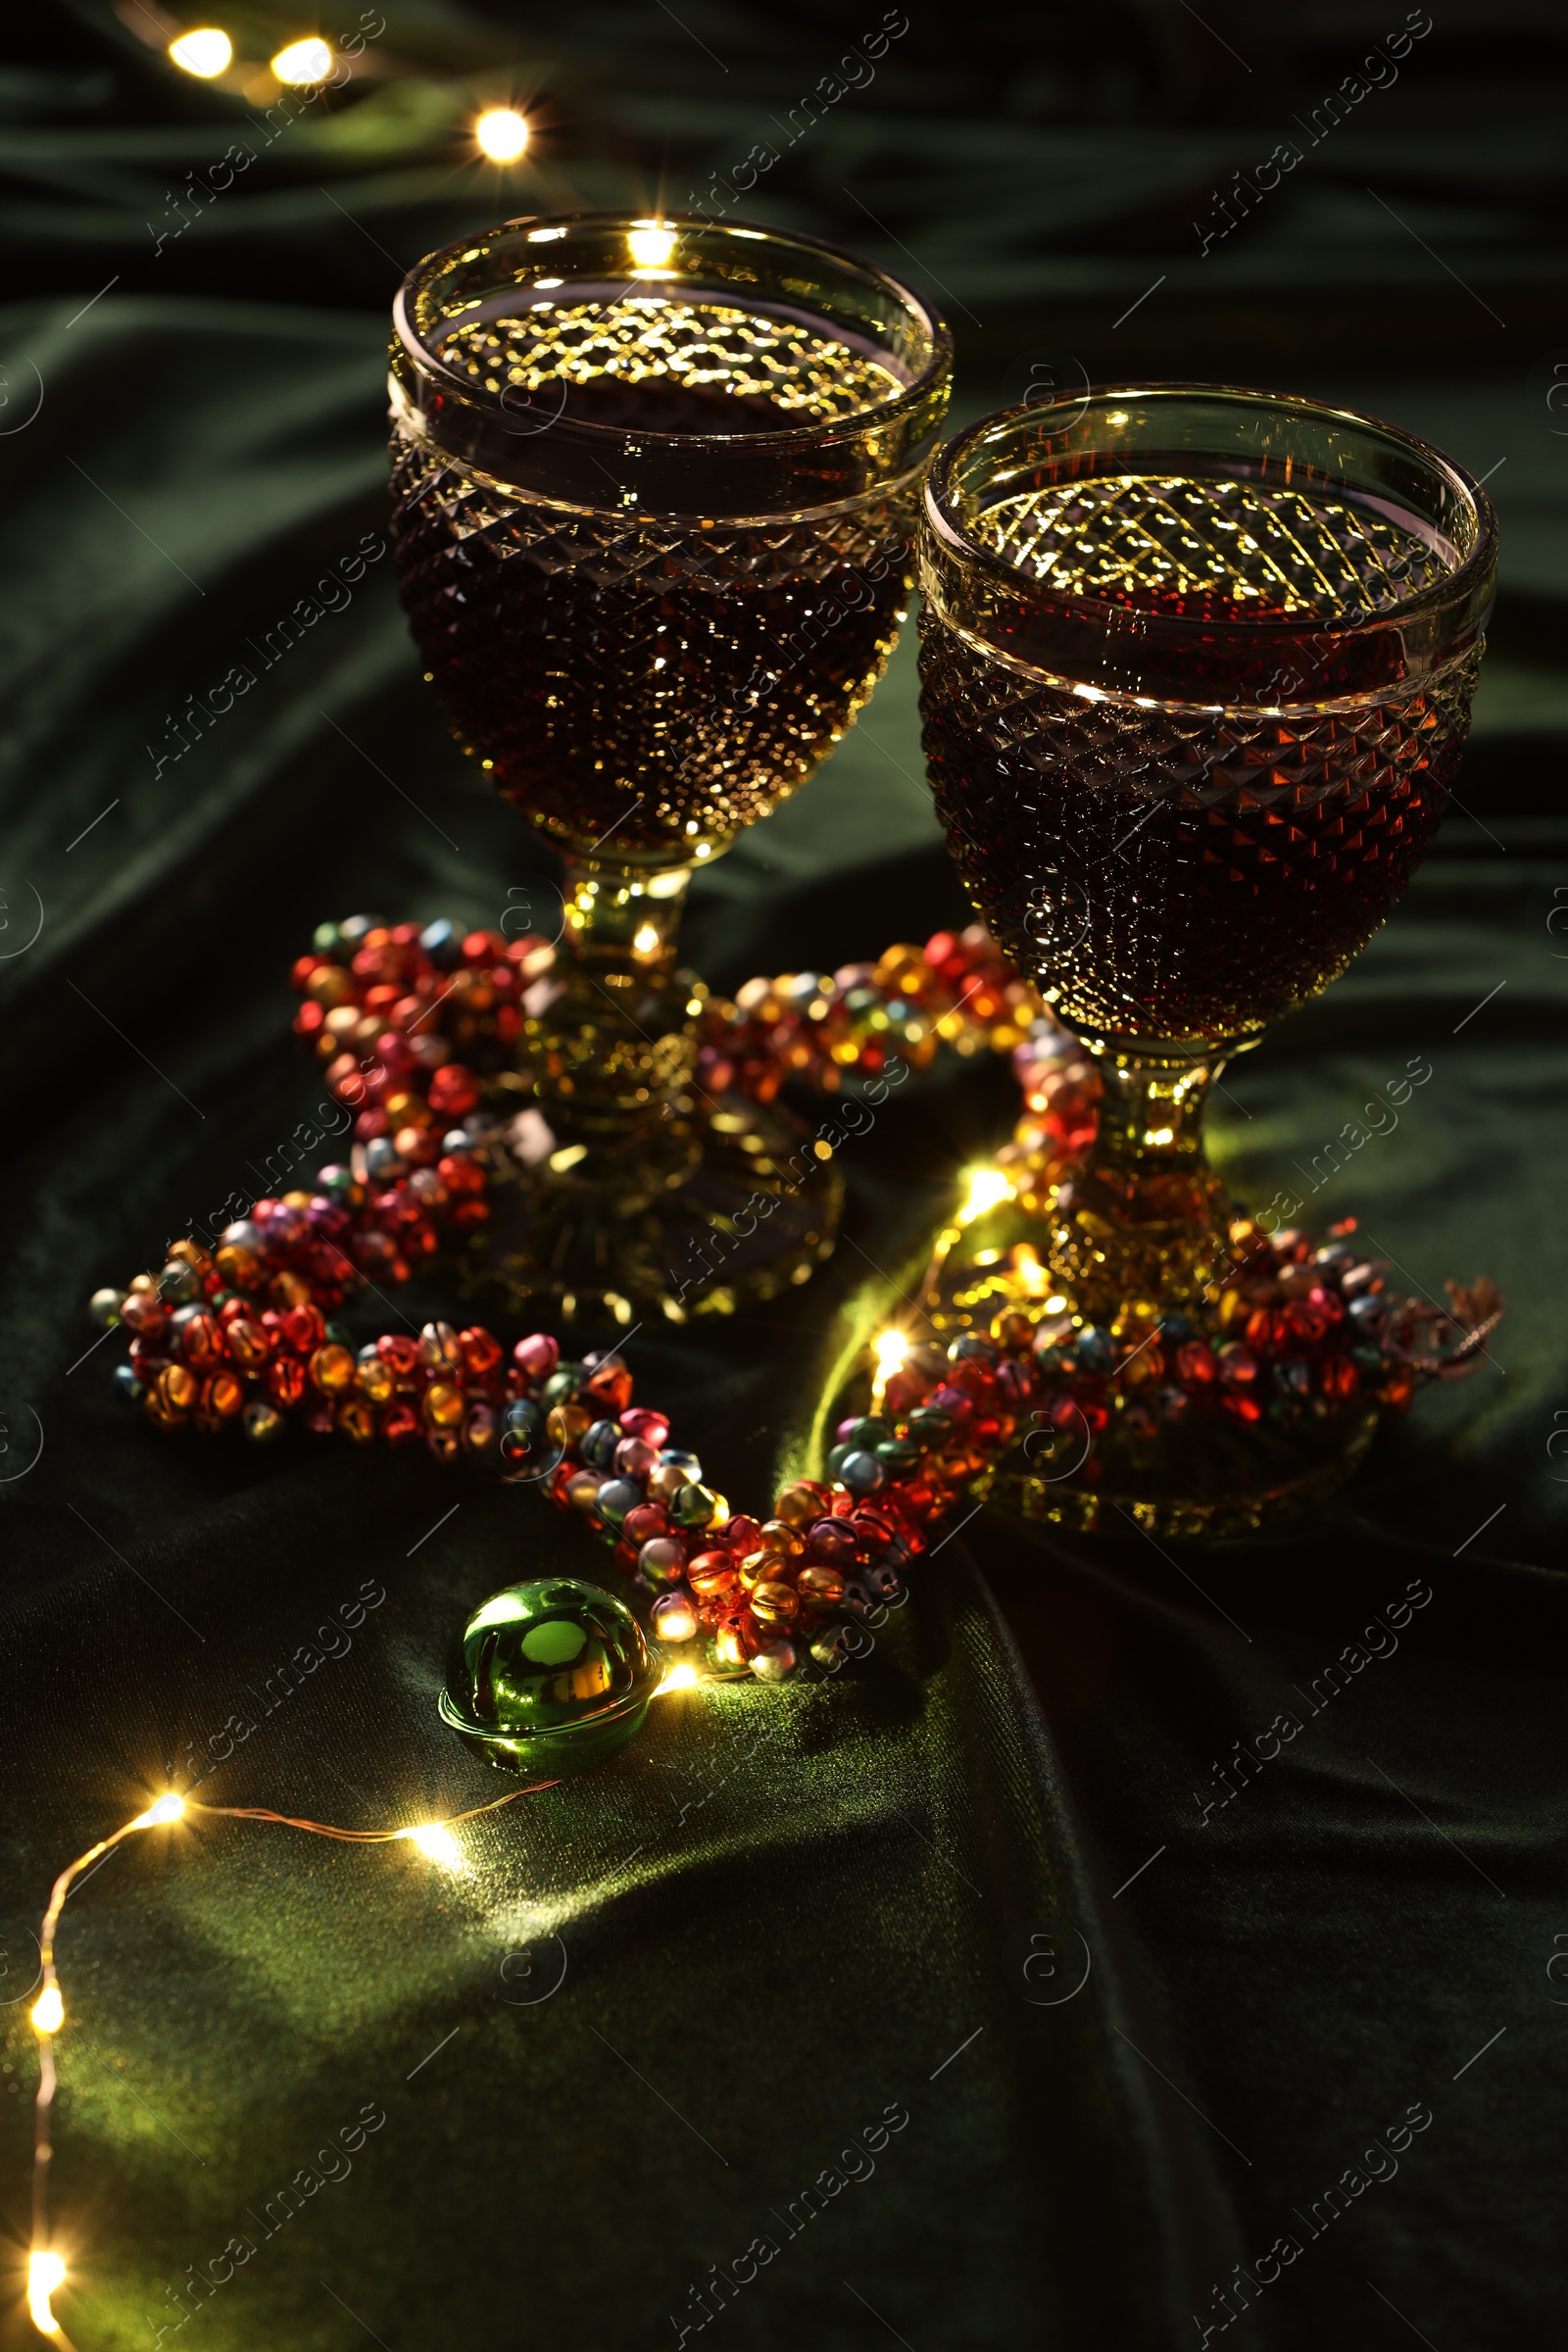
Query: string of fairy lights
{"x": 207, "y": 53}
{"x": 46, "y": 2264}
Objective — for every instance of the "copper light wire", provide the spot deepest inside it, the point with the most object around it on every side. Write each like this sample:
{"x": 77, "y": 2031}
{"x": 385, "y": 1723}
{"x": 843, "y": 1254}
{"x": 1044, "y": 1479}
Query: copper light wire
{"x": 48, "y": 2011}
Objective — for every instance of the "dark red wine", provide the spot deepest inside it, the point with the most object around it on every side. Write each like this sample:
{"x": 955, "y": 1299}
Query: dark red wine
{"x": 1171, "y": 873}
{"x": 650, "y": 687}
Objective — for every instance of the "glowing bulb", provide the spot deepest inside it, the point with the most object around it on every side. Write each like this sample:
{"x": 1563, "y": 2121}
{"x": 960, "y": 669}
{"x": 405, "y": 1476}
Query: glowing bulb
{"x": 501, "y": 133}
{"x": 302, "y": 63}
{"x": 987, "y": 1186}
{"x": 203, "y": 53}
{"x": 646, "y": 940}
{"x": 45, "y": 2272}
{"x": 652, "y": 244}
{"x": 679, "y": 1678}
{"x": 48, "y": 2011}
{"x": 434, "y": 1839}
{"x": 892, "y": 1347}
{"x": 168, "y": 1808}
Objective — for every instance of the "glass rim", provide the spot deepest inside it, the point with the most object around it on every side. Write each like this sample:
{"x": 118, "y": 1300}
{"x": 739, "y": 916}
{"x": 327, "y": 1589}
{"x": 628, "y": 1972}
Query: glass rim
{"x": 748, "y": 232}
{"x": 1184, "y": 628}
{"x": 444, "y": 408}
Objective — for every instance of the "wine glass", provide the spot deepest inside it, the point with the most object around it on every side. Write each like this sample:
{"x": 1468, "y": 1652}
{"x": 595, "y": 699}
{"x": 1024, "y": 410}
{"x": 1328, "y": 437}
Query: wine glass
{"x": 656, "y": 490}
{"x": 1196, "y": 668}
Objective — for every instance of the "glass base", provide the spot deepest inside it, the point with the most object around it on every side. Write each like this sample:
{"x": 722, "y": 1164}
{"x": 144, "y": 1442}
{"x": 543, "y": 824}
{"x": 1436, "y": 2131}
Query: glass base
{"x": 1251, "y": 1483}
{"x": 1151, "y": 1461}
{"x": 724, "y": 1206}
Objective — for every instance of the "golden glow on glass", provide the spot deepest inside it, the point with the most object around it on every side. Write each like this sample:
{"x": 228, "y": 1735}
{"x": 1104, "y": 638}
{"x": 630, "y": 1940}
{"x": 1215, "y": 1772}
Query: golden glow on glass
{"x": 503, "y": 134}
{"x": 987, "y": 1186}
{"x": 652, "y": 244}
{"x": 1143, "y": 538}
{"x": 204, "y": 52}
{"x": 646, "y": 940}
{"x": 302, "y": 63}
{"x": 679, "y": 1678}
{"x": 48, "y": 2011}
{"x": 45, "y": 2272}
{"x": 646, "y": 337}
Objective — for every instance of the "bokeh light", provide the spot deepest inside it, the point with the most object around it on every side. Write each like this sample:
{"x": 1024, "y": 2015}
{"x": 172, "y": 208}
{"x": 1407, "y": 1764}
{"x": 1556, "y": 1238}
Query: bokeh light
{"x": 204, "y": 52}
{"x": 501, "y": 133}
{"x": 302, "y": 63}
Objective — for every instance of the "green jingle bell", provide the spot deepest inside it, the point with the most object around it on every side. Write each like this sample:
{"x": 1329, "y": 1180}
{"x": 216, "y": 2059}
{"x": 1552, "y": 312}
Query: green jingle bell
{"x": 550, "y": 1677}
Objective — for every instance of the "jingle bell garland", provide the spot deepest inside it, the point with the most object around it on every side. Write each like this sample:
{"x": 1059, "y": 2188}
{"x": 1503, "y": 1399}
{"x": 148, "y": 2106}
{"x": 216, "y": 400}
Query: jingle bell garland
{"x": 242, "y": 1334}
{"x": 435, "y": 1015}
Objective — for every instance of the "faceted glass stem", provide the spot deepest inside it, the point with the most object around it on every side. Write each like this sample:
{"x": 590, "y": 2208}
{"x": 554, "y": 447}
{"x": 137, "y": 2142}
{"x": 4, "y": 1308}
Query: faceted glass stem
{"x": 1143, "y": 1227}
{"x": 613, "y": 1050}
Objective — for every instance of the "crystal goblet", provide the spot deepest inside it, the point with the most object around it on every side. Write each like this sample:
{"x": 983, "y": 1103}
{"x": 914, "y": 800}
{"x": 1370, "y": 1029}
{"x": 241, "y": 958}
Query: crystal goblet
{"x": 656, "y": 487}
{"x": 1196, "y": 668}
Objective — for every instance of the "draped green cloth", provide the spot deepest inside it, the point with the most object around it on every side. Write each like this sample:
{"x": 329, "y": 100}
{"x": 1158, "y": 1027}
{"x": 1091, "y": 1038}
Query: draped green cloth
{"x": 990, "y": 1994}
